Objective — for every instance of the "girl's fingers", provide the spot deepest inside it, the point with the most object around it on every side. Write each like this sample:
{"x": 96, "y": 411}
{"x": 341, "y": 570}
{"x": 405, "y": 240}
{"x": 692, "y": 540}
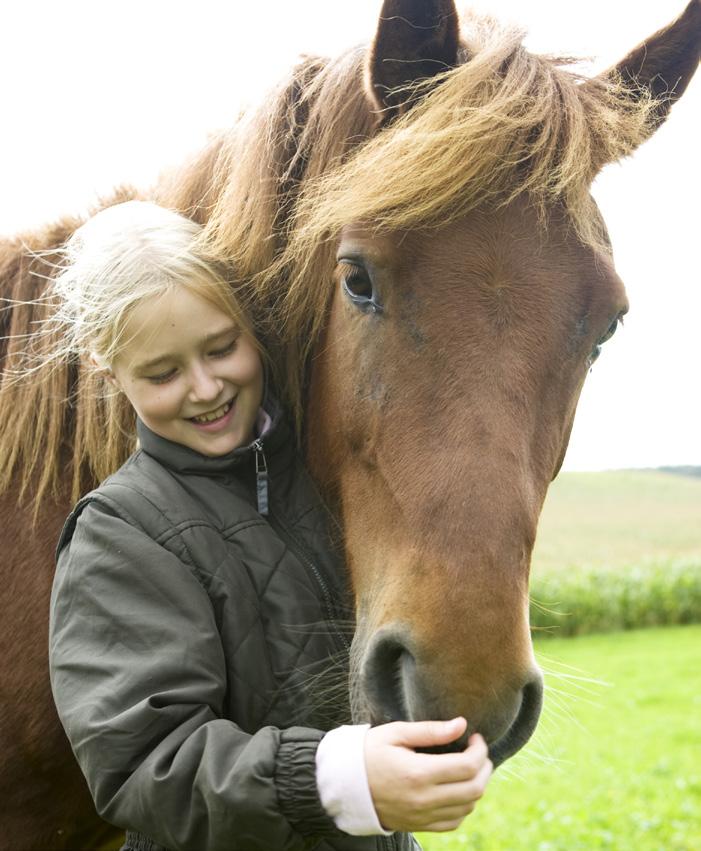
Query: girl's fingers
{"x": 455, "y": 767}
{"x": 424, "y": 791}
{"x": 453, "y": 813}
{"x": 442, "y": 826}
{"x": 449, "y": 816}
{"x": 425, "y": 734}
{"x": 458, "y": 795}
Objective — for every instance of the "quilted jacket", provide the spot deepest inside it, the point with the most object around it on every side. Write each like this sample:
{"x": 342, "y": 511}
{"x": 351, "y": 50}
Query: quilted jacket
{"x": 197, "y": 649}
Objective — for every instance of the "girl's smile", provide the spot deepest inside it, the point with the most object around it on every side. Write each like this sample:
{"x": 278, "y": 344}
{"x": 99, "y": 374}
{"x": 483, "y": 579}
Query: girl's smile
{"x": 214, "y": 420}
{"x": 190, "y": 374}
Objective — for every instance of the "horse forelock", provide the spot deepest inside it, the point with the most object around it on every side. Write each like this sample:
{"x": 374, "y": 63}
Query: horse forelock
{"x": 504, "y": 124}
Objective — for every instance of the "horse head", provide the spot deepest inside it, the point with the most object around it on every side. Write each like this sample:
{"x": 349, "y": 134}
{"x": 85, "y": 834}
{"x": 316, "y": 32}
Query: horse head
{"x": 470, "y": 289}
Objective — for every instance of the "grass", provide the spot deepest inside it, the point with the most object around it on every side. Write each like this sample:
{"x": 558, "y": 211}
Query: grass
{"x": 616, "y": 761}
{"x": 617, "y": 550}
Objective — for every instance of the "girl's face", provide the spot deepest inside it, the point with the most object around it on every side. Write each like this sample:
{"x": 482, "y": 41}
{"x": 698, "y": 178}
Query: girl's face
{"x": 191, "y": 375}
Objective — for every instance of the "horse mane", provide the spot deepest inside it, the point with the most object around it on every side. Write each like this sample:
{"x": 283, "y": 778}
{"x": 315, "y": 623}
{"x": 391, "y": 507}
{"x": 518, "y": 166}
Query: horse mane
{"x": 63, "y": 428}
{"x": 51, "y": 441}
{"x": 310, "y": 125}
{"x": 276, "y": 189}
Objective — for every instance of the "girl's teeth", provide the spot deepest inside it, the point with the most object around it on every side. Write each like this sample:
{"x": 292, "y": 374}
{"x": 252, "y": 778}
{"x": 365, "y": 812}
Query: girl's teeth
{"x": 214, "y": 415}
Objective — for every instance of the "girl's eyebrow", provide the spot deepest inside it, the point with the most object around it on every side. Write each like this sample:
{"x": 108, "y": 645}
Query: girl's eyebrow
{"x": 208, "y": 338}
{"x": 141, "y": 367}
{"x": 216, "y": 334}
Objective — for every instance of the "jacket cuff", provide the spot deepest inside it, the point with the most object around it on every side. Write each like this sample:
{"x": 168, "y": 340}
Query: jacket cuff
{"x": 295, "y": 781}
{"x": 342, "y": 781}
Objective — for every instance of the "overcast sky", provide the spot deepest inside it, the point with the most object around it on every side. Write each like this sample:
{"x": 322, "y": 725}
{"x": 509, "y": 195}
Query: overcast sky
{"x": 96, "y": 93}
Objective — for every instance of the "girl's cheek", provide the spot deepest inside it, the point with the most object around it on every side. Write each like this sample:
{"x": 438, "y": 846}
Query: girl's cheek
{"x": 162, "y": 403}
{"x": 248, "y": 367}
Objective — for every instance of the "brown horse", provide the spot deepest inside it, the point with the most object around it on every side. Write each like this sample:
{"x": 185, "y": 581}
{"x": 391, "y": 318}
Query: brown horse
{"x": 415, "y": 225}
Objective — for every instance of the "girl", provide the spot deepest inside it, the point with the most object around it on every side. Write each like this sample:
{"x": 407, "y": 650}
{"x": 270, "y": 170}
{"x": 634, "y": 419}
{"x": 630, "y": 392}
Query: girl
{"x": 195, "y": 616}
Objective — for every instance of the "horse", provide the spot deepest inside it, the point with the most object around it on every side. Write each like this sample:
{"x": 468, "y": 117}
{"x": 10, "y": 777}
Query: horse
{"x": 412, "y": 229}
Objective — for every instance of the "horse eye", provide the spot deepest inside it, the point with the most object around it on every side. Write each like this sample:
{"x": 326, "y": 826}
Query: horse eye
{"x": 610, "y": 332}
{"x": 359, "y": 288}
{"x": 356, "y": 282}
{"x": 613, "y": 327}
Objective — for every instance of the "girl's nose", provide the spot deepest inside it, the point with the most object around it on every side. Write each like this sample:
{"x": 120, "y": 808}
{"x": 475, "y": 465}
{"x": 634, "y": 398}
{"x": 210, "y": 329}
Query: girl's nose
{"x": 205, "y": 386}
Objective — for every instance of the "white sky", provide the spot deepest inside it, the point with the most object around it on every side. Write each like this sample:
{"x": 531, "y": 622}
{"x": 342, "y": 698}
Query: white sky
{"x": 94, "y": 93}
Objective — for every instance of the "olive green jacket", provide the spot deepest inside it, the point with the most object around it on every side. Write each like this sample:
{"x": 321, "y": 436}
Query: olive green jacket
{"x": 198, "y": 649}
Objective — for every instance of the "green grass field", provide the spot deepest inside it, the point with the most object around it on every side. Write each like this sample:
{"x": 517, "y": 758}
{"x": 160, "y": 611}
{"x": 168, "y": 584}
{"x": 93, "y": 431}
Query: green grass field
{"x": 617, "y": 550}
{"x": 618, "y": 519}
{"x": 616, "y": 761}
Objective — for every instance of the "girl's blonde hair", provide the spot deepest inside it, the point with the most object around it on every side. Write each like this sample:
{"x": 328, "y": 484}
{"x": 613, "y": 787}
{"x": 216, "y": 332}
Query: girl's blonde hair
{"x": 123, "y": 256}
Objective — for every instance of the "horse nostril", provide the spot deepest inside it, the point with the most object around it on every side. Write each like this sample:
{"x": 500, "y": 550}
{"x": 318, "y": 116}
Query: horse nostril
{"x": 387, "y": 675}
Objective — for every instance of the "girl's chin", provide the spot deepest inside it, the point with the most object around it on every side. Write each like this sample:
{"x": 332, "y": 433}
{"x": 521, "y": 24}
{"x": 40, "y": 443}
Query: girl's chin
{"x": 213, "y": 445}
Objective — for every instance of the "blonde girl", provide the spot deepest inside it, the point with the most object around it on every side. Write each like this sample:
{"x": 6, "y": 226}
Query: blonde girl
{"x": 196, "y": 617}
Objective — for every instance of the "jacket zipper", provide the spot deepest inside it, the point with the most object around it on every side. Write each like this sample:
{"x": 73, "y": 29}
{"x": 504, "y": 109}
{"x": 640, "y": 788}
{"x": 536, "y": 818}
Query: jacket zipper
{"x": 262, "y": 497}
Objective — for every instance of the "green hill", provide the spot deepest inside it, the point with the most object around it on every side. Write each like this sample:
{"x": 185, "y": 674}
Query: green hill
{"x": 617, "y": 550}
{"x": 682, "y": 471}
{"x": 619, "y": 518}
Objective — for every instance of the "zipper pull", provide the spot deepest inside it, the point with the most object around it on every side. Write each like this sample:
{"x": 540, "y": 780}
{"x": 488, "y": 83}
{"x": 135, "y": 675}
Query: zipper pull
{"x": 261, "y": 478}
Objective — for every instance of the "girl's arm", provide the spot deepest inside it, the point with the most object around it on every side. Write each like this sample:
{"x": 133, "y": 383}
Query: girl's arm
{"x": 371, "y": 779}
{"x": 139, "y": 678}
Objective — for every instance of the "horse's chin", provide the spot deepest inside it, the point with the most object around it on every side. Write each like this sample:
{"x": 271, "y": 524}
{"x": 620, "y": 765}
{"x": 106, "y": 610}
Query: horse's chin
{"x": 523, "y": 726}
{"x": 516, "y": 736}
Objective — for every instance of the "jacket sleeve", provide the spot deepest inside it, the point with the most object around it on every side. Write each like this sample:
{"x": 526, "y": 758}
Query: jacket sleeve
{"x": 139, "y": 679}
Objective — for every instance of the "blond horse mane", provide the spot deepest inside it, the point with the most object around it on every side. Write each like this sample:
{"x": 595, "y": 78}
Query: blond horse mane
{"x": 276, "y": 189}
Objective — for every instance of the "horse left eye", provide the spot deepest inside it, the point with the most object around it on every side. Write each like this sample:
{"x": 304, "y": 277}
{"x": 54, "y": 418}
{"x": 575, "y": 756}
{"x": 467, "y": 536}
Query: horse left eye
{"x": 359, "y": 288}
{"x": 357, "y": 284}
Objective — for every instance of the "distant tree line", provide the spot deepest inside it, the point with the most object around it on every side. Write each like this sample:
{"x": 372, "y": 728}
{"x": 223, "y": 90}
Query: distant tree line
{"x": 682, "y": 471}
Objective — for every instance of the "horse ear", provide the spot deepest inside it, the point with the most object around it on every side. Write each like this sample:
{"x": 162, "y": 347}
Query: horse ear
{"x": 415, "y": 40}
{"x": 664, "y": 63}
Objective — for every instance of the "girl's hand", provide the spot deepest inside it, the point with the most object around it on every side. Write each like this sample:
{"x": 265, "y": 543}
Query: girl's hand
{"x": 419, "y": 791}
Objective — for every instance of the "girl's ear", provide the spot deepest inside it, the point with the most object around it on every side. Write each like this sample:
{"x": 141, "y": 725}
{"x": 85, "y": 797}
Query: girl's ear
{"x": 104, "y": 369}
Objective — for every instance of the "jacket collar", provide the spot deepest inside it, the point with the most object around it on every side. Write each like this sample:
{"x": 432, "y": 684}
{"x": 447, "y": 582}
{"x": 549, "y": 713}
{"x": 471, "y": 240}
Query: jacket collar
{"x": 182, "y": 459}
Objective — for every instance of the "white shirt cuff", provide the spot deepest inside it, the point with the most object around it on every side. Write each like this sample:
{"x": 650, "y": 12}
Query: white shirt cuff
{"x": 342, "y": 781}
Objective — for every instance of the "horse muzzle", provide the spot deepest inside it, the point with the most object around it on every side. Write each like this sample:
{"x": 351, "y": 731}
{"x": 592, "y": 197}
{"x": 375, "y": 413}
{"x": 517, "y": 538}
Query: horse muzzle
{"x": 394, "y": 682}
